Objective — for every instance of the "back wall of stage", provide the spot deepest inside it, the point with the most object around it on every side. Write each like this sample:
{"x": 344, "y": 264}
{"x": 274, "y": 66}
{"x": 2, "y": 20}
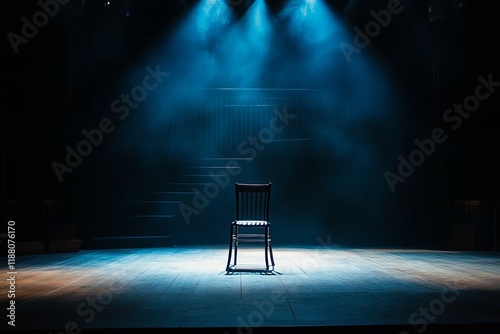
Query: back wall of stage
{"x": 369, "y": 119}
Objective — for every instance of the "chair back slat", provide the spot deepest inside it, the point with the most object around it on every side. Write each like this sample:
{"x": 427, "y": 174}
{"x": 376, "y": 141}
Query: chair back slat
{"x": 467, "y": 212}
{"x": 252, "y": 201}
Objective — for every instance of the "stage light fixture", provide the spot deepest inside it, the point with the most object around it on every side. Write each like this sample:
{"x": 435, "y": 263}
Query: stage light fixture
{"x": 235, "y": 3}
{"x": 276, "y": 5}
{"x": 240, "y": 3}
{"x": 240, "y": 6}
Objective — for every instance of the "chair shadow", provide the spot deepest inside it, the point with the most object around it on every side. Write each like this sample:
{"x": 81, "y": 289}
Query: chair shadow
{"x": 252, "y": 271}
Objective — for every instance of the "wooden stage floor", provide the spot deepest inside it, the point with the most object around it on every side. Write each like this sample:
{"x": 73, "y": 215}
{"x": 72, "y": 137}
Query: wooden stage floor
{"x": 187, "y": 288}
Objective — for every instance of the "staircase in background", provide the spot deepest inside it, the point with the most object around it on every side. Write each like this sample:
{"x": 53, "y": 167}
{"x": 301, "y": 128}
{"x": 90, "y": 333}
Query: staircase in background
{"x": 200, "y": 138}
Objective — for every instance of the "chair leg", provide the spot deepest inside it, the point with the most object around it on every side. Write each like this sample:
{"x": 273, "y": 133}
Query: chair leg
{"x": 271, "y": 253}
{"x": 230, "y": 248}
{"x": 266, "y": 237}
{"x": 235, "y": 244}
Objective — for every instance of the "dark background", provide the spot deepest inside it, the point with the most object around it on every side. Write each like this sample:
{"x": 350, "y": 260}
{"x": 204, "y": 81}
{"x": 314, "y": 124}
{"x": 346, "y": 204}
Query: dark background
{"x": 354, "y": 120}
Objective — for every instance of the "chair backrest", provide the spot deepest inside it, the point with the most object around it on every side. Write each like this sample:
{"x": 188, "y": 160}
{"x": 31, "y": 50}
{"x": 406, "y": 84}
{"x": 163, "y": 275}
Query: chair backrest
{"x": 54, "y": 211}
{"x": 467, "y": 212}
{"x": 252, "y": 201}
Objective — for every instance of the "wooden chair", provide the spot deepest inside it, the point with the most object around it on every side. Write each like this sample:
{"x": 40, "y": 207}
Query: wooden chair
{"x": 496, "y": 222}
{"x": 61, "y": 235}
{"x": 252, "y": 214}
{"x": 466, "y": 220}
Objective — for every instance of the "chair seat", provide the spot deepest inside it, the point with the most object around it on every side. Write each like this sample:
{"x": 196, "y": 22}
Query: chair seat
{"x": 251, "y": 223}
{"x": 251, "y": 237}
